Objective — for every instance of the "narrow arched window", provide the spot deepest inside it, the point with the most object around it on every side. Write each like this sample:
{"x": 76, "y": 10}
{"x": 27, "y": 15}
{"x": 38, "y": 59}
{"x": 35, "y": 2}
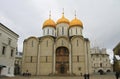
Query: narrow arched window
{"x": 62, "y": 43}
{"x": 77, "y": 43}
{"x": 77, "y": 58}
{"x": 3, "y": 50}
{"x": 47, "y": 43}
{"x": 9, "y": 70}
{"x": 12, "y": 52}
{"x": 47, "y": 31}
{"x": 62, "y": 30}
{"x": 76, "y": 30}
{"x": 32, "y": 44}
{"x": 71, "y": 31}
{"x": 31, "y": 59}
{"x": 100, "y": 64}
{"x": 46, "y": 58}
{"x": 52, "y": 32}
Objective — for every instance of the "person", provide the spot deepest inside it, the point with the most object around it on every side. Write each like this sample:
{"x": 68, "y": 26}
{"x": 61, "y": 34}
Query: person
{"x": 80, "y": 74}
{"x": 88, "y": 76}
{"x": 117, "y": 75}
{"x": 85, "y": 76}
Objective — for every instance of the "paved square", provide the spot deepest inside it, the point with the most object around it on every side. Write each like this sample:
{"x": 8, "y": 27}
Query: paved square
{"x": 112, "y": 76}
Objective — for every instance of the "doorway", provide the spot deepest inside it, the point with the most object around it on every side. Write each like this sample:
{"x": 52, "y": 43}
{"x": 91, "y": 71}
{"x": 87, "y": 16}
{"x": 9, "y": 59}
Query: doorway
{"x": 62, "y": 69}
{"x": 101, "y": 72}
{"x": 62, "y": 60}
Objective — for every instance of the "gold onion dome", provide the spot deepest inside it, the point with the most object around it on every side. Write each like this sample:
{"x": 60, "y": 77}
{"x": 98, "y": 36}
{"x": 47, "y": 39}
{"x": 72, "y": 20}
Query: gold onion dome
{"x": 76, "y": 22}
{"x": 49, "y": 23}
{"x": 63, "y": 20}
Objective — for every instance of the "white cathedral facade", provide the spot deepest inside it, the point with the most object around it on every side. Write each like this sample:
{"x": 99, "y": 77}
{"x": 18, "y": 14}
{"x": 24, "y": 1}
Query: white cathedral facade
{"x": 62, "y": 50}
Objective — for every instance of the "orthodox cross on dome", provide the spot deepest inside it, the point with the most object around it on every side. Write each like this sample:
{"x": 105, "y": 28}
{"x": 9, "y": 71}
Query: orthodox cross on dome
{"x": 75, "y": 13}
{"x": 63, "y": 12}
{"x": 49, "y": 14}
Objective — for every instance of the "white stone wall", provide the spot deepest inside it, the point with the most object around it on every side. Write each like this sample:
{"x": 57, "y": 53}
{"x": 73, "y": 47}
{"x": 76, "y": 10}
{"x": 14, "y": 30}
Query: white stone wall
{"x": 77, "y": 46}
{"x": 46, "y": 56}
{"x": 78, "y": 55}
{"x": 100, "y": 60}
{"x": 30, "y": 56}
{"x": 8, "y": 39}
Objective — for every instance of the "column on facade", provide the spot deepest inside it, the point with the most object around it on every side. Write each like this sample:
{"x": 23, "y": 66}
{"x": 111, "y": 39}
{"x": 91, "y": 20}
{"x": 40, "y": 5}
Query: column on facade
{"x": 86, "y": 58}
{"x": 70, "y": 64}
{"x": 38, "y": 63}
{"x": 54, "y": 55}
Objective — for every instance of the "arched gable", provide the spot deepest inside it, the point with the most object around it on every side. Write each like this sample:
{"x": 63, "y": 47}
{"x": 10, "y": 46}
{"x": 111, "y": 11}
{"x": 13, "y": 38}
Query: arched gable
{"x": 47, "y": 37}
{"x": 62, "y": 41}
{"x": 32, "y": 37}
{"x": 78, "y": 37}
{"x": 46, "y": 45}
{"x": 62, "y": 37}
{"x": 31, "y": 46}
{"x": 77, "y": 43}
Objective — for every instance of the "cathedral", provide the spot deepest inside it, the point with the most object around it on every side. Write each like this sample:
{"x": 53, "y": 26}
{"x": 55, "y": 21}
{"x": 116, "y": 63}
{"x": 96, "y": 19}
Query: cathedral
{"x": 62, "y": 50}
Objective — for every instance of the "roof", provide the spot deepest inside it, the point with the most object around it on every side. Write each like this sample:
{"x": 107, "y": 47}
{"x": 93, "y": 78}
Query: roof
{"x": 9, "y": 29}
{"x": 117, "y": 49}
{"x": 100, "y": 53}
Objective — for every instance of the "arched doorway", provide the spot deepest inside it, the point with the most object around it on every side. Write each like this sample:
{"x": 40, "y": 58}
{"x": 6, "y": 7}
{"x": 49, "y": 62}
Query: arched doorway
{"x": 108, "y": 71}
{"x": 101, "y": 72}
{"x": 62, "y": 60}
{"x": 62, "y": 69}
{"x": 17, "y": 69}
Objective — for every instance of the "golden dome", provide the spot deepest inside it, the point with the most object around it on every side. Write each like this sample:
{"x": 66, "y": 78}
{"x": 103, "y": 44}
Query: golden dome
{"x": 63, "y": 20}
{"x": 49, "y": 23}
{"x": 76, "y": 22}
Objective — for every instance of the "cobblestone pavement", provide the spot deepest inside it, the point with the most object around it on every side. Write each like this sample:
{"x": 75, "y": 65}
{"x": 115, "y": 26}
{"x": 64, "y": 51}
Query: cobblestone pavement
{"x": 63, "y": 77}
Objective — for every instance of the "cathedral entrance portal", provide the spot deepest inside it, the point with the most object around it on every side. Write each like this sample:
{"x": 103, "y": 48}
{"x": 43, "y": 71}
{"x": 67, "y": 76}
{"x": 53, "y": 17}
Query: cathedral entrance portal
{"x": 62, "y": 69}
{"x": 62, "y": 60}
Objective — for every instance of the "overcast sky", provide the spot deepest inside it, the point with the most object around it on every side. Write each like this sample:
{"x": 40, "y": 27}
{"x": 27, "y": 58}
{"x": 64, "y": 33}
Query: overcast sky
{"x": 101, "y": 18}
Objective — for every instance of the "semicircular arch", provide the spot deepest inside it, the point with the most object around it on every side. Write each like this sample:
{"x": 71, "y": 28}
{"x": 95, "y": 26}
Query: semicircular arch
{"x": 48, "y": 37}
{"x": 32, "y": 37}
{"x": 62, "y": 41}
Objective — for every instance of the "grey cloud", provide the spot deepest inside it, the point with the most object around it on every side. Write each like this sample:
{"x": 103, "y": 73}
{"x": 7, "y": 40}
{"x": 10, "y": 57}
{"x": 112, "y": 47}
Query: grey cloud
{"x": 100, "y": 18}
